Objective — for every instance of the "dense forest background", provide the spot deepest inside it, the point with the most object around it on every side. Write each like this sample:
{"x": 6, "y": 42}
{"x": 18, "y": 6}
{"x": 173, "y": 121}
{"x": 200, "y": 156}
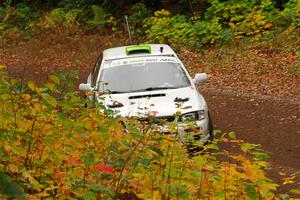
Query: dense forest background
{"x": 192, "y": 24}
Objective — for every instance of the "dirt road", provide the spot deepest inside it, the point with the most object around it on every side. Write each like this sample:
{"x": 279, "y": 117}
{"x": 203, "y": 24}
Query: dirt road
{"x": 272, "y": 122}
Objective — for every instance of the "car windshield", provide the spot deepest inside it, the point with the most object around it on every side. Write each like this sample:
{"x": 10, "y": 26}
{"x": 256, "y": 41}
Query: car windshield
{"x": 145, "y": 76}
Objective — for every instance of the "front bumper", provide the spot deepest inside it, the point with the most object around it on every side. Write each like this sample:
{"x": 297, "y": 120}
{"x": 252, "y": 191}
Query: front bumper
{"x": 187, "y": 133}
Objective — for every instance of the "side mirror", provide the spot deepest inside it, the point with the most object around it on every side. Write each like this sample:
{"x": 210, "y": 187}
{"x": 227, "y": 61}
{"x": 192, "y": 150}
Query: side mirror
{"x": 85, "y": 87}
{"x": 199, "y": 78}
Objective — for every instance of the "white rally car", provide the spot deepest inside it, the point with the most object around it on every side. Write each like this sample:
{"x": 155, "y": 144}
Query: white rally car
{"x": 142, "y": 80}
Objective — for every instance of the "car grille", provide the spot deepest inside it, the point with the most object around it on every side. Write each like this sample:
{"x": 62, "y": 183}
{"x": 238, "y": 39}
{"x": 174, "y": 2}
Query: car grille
{"x": 159, "y": 120}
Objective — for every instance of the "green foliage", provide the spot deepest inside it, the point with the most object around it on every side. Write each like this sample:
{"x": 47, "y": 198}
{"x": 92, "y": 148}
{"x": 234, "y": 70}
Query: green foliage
{"x": 99, "y": 19}
{"x": 179, "y": 31}
{"x": 58, "y": 148}
{"x": 139, "y": 13}
{"x": 222, "y": 21}
{"x": 137, "y": 18}
{"x": 8, "y": 188}
{"x": 290, "y": 16}
{"x": 60, "y": 19}
{"x": 19, "y": 16}
{"x": 53, "y": 18}
{"x": 72, "y": 17}
{"x": 160, "y": 27}
{"x": 245, "y": 18}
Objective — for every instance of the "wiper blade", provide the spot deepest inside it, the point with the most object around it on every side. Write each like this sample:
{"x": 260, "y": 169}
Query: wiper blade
{"x": 115, "y": 92}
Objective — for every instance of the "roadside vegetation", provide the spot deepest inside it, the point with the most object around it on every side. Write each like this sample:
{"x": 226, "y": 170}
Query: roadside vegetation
{"x": 216, "y": 23}
{"x": 53, "y": 146}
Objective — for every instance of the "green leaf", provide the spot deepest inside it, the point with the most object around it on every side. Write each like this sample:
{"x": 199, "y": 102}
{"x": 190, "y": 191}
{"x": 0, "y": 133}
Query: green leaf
{"x": 31, "y": 85}
{"x": 19, "y": 150}
{"x": 212, "y": 146}
{"x": 284, "y": 196}
{"x": 9, "y": 188}
{"x": 157, "y": 150}
{"x": 100, "y": 188}
{"x": 245, "y": 147}
{"x": 51, "y": 100}
{"x": 50, "y": 86}
{"x": 295, "y": 191}
{"x": 55, "y": 79}
{"x": 220, "y": 195}
{"x": 34, "y": 183}
{"x": 252, "y": 193}
{"x": 232, "y": 135}
{"x": 87, "y": 160}
{"x": 261, "y": 155}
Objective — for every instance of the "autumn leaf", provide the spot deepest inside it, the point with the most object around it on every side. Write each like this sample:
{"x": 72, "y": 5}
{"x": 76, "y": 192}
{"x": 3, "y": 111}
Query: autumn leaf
{"x": 55, "y": 79}
{"x": 2, "y": 67}
{"x": 103, "y": 168}
{"x": 31, "y": 85}
{"x": 289, "y": 180}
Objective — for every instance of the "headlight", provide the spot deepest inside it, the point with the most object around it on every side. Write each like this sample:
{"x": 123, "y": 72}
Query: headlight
{"x": 193, "y": 116}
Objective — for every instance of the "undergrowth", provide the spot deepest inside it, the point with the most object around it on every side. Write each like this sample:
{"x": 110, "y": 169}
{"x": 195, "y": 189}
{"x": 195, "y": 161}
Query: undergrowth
{"x": 54, "y": 146}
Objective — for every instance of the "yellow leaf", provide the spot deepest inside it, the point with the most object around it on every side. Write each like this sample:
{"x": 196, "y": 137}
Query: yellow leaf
{"x": 51, "y": 86}
{"x": 26, "y": 97}
{"x": 52, "y": 101}
{"x": 232, "y": 26}
{"x": 289, "y": 180}
{"x": 32, "y": 181}
{"x": 32, "y": 85}
{"x": 2, "y": 67}
{"x": 13, "y": 168}
{"x": 55, "y": 79}
{"x": 282, "y": 173}
{"x": 295, "y": 191}
{"x": 38, "y": 107}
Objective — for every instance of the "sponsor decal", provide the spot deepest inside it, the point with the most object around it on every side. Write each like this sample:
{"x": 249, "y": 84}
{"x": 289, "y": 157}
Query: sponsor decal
{"x": 138, "y": 60}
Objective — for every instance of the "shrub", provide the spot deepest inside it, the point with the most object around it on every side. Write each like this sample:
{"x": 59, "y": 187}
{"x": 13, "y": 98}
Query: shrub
{"x": 290, "y": 16}
{"x": 137, "y": 18}
{"x": 99, "y": 19}
{"x": 19, "y": 16}
{"x": 55, "y": 147}
{"x": 24, "y": 16}
{"x": 180, "y": 31}
{"x": 60, "y": 19}
{"x": 72, "y": 17}
{"x": 52, "y": 19}
{"x": 162, "y": 27}
{"x": 245, "y": 18}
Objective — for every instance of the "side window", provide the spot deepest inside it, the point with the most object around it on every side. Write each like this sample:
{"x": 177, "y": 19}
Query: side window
{"x": 95, "y": 71}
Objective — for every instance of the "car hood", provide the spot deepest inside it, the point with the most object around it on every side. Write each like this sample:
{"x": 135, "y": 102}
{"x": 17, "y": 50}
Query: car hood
{"x": 156, "y": 103}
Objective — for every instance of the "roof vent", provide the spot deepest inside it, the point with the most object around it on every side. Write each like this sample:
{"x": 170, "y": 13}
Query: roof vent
{"x": 138, "y": 49}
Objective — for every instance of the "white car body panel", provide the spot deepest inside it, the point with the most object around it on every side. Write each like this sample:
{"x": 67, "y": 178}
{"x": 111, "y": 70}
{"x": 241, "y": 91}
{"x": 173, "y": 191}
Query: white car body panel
{"x": 163, "y": 105}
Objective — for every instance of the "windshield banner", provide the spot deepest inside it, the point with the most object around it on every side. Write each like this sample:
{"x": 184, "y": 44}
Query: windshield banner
{"x": 127, "y": 61}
